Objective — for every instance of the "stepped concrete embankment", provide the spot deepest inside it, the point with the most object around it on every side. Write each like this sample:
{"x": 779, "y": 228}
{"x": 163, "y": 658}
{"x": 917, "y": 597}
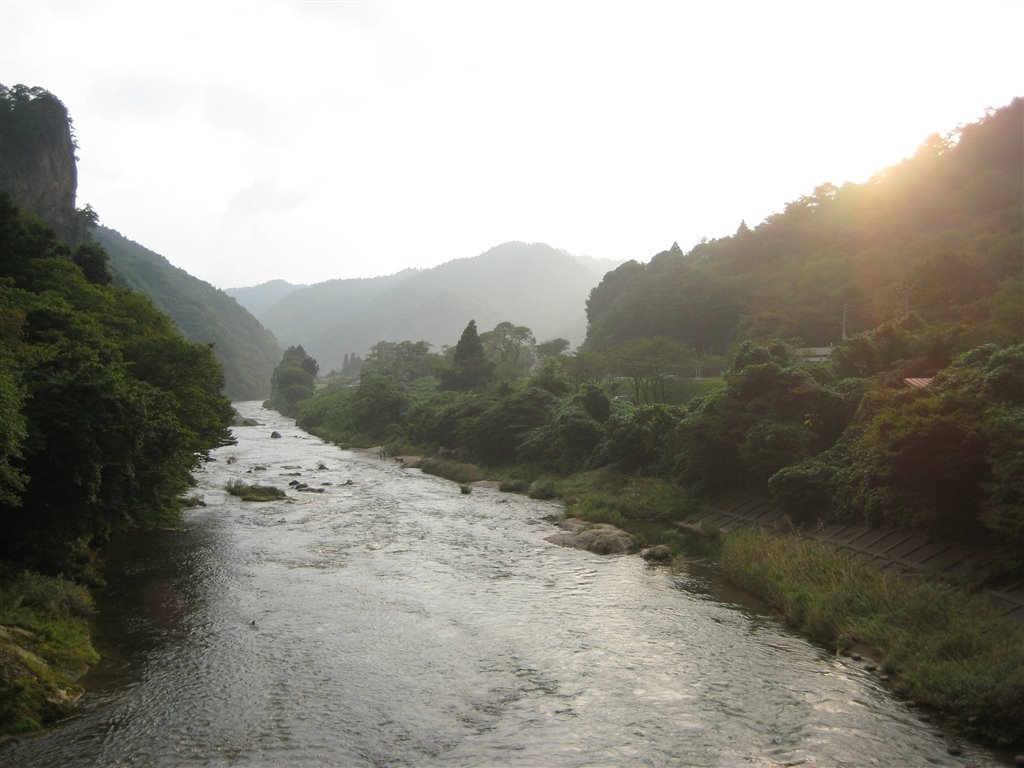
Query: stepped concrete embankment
{"x": 889, "y": 549}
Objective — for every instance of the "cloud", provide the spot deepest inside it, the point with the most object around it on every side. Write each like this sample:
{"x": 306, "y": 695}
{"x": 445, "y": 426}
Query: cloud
{"x": 245, "y": 114}
{"x": 262, "y": 197}
{"x": 134, "y": 95}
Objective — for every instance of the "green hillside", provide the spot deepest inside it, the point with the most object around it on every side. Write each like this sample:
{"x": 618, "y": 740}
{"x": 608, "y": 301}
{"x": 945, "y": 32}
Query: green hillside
{"x": 204, "y": 314}
{"x": 939, "y": 234}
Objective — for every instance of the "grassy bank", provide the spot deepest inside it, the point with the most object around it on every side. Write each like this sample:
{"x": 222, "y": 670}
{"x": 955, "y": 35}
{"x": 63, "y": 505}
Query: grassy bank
{"x": 44, "y": 648}
{"x": 942, "y": 647}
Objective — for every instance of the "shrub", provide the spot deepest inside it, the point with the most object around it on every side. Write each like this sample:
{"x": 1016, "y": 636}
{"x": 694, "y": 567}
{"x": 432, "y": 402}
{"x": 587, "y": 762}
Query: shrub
{"x": 543, "y": 489}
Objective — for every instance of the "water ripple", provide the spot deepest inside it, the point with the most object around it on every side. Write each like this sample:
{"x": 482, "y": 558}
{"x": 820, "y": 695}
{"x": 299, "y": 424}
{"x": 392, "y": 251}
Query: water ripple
{"x": 393, "y": 621}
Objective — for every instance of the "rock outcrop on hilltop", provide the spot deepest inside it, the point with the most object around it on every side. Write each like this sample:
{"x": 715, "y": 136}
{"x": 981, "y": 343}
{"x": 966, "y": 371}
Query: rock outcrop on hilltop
{"x": 37, "y": 159}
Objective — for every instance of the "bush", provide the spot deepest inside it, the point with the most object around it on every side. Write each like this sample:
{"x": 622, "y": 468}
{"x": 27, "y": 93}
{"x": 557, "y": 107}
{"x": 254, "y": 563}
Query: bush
{"x": 804, "y": 491}
{"x": 566, "y": 442}
{"x": 638, "y": 438}
{"x": 494, "y": 436}
{"x": 543, "y": 489}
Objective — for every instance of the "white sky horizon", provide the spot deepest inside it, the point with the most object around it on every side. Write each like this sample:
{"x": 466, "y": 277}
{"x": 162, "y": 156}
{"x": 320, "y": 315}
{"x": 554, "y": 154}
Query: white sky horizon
{"x": 309, "y": 141}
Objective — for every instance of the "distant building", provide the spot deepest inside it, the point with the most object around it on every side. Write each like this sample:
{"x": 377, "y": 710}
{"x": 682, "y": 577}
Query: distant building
{"x": 815, "y": 354}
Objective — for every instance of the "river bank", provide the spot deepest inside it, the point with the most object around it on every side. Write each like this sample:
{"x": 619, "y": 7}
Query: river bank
{"x": 395, "y": 620}
{"x": 45, "y": 648}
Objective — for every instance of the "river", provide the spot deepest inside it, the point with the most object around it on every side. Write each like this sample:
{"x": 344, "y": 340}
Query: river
{"x": 395, "y": 621}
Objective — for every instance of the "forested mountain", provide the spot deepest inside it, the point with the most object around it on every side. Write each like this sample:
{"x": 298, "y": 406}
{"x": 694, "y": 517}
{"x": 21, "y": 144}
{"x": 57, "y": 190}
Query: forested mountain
{"x": 533, "y": 285}
{"x": 939, "y": 234}
{"x": 204, "y": 314}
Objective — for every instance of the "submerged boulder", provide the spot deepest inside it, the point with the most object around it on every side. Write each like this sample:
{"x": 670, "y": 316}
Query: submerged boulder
{"x": 659, "y": 553}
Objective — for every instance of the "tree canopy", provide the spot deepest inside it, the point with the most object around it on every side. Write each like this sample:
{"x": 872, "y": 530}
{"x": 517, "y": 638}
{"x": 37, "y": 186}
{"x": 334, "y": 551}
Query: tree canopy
{"x": 293, "y": 381}
{"x": 938, "y": 234}
{"x": 104, "y": 408}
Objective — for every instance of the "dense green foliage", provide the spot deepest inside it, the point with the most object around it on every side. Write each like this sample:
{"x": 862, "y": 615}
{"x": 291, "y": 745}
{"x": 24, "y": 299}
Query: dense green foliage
{"x": 938, "y": 234}
{"x": 104, "y": 408}
{"x": 944, "y": 648}
{"x": 246, "y": 350}
{"x": 946, "y": 458}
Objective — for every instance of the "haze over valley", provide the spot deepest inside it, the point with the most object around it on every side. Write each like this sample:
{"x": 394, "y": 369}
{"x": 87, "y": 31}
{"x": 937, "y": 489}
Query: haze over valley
{"x": 461, "y": 384}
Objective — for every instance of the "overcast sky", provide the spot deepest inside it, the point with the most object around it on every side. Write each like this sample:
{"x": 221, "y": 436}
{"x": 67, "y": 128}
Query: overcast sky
{"x": 316, "y": 140}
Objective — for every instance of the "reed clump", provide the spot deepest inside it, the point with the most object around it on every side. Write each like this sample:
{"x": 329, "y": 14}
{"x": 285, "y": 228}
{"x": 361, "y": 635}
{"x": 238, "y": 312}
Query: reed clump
{"x": 247, "y": 492}
{"x": 943, "y": 647}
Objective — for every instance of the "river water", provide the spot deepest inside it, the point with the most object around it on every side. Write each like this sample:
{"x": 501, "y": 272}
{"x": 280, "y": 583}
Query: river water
{"x": 395, "y": 621}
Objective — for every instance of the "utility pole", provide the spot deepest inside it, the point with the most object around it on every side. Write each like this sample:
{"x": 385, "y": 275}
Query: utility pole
{"x": 846, "y": 308}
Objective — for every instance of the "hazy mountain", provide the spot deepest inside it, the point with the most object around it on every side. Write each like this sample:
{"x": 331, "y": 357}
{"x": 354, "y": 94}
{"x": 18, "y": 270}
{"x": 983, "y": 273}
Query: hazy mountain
{"x": 204, "y": 314}
{"x": 534, "y": 285}
{"x": 259, "y": 298}
{"x": 599, "y": 267}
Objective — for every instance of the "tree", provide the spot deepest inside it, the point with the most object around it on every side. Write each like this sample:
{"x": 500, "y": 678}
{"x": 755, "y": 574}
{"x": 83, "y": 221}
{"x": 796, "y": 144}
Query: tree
{"x": 586, "y": 367}
{"x": 104, "y": 408}
{"x": 94, "y": 263}
{"x": 293, "y": 381}
{"x": 648, "y": 362}
{"x": 378, "y": 404}
{"x": 404, "y": 361}
{"x": 551, "y": 348}
{"x": 509, "y": 347}
{"x": 470, "y": 367}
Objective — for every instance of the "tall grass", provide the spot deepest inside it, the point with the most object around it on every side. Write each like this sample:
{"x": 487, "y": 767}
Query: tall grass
{"x": 944, "y": 647}
{"x": 459, "y": 471}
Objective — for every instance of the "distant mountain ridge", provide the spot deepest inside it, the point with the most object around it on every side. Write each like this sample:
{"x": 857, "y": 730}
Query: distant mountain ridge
{"x": 259, "y": 298}
{"x": 204, "y": 314}
{"x": 534, "y": 285}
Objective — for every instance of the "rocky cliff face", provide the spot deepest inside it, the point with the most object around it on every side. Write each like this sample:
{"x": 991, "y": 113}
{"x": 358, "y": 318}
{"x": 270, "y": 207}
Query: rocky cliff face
{"x": 37, "y": 158}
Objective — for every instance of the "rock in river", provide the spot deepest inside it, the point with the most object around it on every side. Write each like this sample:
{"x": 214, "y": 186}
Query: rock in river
{"x": 600, "y": 538}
